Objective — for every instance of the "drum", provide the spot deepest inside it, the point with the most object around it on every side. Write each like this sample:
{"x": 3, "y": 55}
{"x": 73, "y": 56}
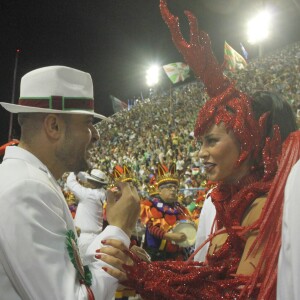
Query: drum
{"x": 189, "y": 229}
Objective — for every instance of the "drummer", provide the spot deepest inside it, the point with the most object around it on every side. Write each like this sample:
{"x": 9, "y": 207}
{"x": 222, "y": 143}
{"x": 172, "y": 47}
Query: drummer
{"x": 161, "y": 214}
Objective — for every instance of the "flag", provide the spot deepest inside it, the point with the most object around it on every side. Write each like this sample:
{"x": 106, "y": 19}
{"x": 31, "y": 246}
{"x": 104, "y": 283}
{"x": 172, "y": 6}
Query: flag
{"x": 233, "y": 60}
{"x": 117, "y": 104}
{"x": 177, "y": 71}
{"x": 245, "y": 53}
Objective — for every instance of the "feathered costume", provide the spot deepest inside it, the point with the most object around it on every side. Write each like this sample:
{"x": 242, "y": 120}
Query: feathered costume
{"x": 160, "y": 217}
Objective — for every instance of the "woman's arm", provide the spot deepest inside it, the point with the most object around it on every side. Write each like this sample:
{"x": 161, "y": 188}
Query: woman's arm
{"x": 248, "y": 261}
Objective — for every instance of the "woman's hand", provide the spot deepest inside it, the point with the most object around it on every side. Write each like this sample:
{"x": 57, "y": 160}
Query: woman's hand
{"x": 116, "y": 254}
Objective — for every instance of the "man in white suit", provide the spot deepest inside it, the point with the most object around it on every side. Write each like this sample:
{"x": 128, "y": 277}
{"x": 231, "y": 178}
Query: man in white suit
{"x": 89, "y": 213}
{"x": 289, "y": 258}
{"x": 39, "y": 258}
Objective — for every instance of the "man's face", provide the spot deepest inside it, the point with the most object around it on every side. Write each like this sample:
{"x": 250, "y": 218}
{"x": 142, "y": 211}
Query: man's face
{"x": 78, "y": 139}
{"x": 168, "y": 192}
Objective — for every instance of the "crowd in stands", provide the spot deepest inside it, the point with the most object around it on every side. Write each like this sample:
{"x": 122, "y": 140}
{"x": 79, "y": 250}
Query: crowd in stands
{"x": 278, "y": 72}
{"x": 159, "y": 130}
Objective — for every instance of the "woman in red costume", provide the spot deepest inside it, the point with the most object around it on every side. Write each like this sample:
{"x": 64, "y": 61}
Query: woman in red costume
{"x": 242, "y": 138}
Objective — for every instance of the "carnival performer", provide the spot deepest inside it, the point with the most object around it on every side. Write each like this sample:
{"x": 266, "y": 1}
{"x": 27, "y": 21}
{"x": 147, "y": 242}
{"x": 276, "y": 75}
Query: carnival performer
{"x": 89, "y": 212}
{"x": 39, "y": 257}
{"x": 161, "y": 213}
{"x": 150, "y": 192}
{"x": 241, "y": 139}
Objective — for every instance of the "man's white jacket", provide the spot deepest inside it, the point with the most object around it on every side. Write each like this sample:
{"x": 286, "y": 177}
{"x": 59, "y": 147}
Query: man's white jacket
{"x": 34, "y": 220}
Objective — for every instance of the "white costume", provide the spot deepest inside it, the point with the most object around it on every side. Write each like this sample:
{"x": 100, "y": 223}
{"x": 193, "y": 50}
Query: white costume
{"x": 288, "y": 281}
{"x": 34, "y": 220}
{"x": 89, "y": 213}
{"x": 206, "y": 220}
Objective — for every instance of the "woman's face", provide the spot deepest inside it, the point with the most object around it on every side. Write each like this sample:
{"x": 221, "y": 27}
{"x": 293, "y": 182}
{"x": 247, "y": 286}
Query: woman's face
{"x": 219, "y": 153}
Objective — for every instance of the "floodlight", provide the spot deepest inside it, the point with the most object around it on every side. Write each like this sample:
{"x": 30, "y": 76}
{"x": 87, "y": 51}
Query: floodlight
{"x": 259, "y": 27}
{"x": 152, "y": 75}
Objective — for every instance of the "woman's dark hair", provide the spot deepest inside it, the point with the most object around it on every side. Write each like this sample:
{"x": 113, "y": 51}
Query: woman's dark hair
{"x": 281, "y": 113}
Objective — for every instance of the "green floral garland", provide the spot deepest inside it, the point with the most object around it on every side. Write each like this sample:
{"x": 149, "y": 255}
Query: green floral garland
{"x": 83, "y": 271}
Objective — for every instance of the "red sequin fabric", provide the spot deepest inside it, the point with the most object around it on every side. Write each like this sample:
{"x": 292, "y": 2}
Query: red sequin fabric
{"x": 233, "y": 109}
{"x": 214, "y": 279}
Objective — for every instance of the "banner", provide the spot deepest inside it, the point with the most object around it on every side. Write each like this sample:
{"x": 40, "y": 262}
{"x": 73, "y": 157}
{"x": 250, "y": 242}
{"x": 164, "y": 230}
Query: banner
{"x": 177, "y": 71}
{"x": 117, "y": 104}
{"x": 233, "y": 60}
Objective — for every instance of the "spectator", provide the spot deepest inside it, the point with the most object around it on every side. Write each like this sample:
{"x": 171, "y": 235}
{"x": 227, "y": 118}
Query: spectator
{"x": 89, "y": 213}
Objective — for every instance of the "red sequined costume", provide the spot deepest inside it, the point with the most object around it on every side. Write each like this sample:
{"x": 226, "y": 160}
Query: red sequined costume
{"x": 217, "y": 278}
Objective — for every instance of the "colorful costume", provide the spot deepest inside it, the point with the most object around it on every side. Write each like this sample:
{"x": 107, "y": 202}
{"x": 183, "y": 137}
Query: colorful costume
{"x": 217, "y": 277}
{"x": 161, "y": 217}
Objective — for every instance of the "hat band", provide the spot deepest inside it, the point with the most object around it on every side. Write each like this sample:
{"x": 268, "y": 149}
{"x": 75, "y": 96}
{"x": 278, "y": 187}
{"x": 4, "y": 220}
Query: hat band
{"x": 97, "y": 178}
{"x": 59, "y": 103}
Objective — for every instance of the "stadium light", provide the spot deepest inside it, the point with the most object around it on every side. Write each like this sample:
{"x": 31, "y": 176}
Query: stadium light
{"x": 258, "y": 28}
{"x": 152, "y": 76}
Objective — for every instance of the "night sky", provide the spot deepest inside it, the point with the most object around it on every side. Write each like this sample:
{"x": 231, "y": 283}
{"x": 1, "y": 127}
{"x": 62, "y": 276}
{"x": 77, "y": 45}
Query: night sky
{"x": 117, "y": 40}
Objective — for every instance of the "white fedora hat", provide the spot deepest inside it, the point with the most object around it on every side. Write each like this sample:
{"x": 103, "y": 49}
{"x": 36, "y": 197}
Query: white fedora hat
{"x": 55, "y": 89}
{"x": 98, "y": 176}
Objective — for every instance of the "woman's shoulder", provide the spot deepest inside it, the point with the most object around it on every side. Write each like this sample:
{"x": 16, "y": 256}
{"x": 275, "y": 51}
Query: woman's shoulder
{"x": 254, "y": 211}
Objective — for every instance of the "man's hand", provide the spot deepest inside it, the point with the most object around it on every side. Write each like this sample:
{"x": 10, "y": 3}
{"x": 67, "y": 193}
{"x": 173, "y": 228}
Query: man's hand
{"x": 140, "y": 253}
{"x": 176, "y": 237}
{"x": 123, "y": 207}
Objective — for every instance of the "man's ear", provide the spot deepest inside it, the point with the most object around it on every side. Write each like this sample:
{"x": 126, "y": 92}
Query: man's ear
{"x": 54, "y": 126}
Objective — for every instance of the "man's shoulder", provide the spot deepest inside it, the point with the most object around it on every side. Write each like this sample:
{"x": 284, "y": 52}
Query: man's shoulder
{"x": 17, "y": 169}
{"x": 17, "y": 175}
{"x": 25, "y": 185}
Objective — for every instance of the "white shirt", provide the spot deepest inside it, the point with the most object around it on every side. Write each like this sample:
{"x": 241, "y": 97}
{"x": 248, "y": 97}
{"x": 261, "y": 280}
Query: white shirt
{"x": 34, "y": 220}
{"x": 288, "y": 281}
{"x": 180, "y": 164}
{"x": 88, "y": 216}
{"x": 206, "y": 220}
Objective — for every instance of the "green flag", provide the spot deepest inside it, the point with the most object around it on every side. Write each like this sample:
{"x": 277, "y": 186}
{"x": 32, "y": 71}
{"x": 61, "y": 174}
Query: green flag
{"x": 233, "y": 60}
{"x": 177, "y": 71}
